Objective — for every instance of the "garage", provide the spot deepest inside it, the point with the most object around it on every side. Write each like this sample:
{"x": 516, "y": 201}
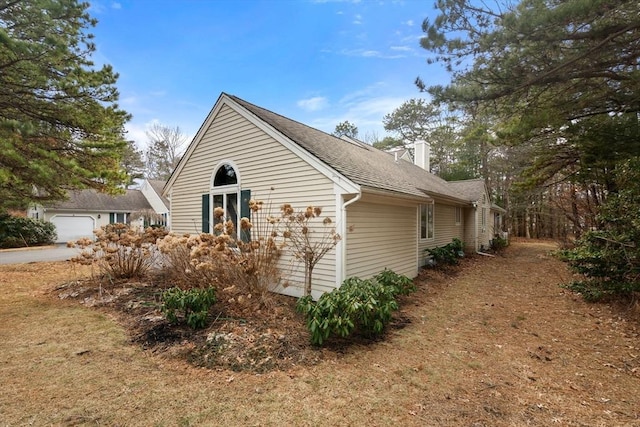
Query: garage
{"x": 73, "y": 227}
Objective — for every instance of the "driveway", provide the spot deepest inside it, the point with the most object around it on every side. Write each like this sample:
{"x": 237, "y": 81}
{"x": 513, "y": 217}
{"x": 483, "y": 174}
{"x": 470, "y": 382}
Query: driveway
{"x": 37, "y": 254}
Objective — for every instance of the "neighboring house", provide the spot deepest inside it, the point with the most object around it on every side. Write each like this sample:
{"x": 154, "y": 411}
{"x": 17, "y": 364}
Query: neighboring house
{"x": 387, "y": 210}
{"x": 87, "y": 210}
{"x": 152, "y": 190}
{"x": 484, "y": 219}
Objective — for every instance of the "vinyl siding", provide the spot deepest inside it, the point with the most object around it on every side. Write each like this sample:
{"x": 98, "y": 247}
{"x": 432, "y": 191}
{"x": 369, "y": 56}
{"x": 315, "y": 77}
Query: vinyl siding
{"x": 383, "y": 236}
{"x": 470, "y": 220}
{"x": 485, "y": 232}
{"x": 262, "y": 164}
{"x": 445, "y": 229}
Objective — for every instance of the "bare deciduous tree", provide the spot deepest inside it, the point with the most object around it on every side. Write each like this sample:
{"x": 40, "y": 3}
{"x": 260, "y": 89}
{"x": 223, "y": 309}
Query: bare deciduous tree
{"x": 165, "y": 149}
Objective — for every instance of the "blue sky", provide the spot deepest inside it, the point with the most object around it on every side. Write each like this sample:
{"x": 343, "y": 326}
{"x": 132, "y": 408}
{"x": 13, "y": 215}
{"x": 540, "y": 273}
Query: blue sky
{"x": 318, "y": 62}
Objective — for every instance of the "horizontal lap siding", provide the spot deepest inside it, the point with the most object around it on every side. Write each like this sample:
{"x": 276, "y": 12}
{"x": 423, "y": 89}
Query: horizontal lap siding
{"x": 383, "y": 236}
{"x": 262, "y": 163}
{"x": 445, "y": 228}
{"x": 470, "y": 239}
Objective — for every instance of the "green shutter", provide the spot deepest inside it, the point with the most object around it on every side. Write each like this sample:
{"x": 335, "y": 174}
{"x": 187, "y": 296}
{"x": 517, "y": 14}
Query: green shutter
{"x": 112, "y": 218}
{"x": 206, "y": 212}
{"x": 245, "y": 212}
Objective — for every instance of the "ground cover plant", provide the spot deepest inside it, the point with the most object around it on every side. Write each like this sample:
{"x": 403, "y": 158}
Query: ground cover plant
{"x": 495, "y": 342}
{"x": 190, "y": 306}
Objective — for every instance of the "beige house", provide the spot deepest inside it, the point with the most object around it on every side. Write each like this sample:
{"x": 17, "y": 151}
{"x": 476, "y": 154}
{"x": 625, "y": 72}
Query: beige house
{"x": 86, "y": 210}
{"x": 484, "y": 218}
{"x": 386, "y": 209}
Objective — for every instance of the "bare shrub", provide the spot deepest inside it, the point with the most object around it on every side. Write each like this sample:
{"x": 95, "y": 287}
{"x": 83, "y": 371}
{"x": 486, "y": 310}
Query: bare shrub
{"x": 119, "y": 251}
{"x": 244, "y": 270}
{"x": 309, "y": 242}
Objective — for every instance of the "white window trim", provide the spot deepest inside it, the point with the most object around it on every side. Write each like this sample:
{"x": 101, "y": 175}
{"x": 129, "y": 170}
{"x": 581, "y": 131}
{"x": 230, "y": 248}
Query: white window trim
{"x": 215, "y": 171}
{"x": 224, "y": 190}
{"x": 433, "y": 222}
{"x": 458, "y": 215}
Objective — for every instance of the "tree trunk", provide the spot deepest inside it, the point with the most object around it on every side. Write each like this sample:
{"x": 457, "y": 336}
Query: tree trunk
{"x": 577, "y": 227}
{"x": 308, "y": 274}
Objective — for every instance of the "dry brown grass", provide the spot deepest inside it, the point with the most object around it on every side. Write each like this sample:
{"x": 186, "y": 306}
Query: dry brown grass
{"x": 497, "y": 344}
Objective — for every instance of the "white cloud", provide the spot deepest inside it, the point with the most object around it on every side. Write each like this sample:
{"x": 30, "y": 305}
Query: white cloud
{"x": 410, "y": 23}
{"x": 136, "y": 132}
{"x": 401, "y": 48}
{"x": 357, "y": 19}
{"x": 313, "y": 104}
{"x": 116, "y": 5}
{"x": 370, "y": 53}
{"x": 365, "y": 108}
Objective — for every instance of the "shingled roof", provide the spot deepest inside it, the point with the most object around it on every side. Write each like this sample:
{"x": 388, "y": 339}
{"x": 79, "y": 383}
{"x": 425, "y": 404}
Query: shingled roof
{"x": 91, "y": 200}
{"x": 361, "y": 163}
{"x": 471, "y": 189}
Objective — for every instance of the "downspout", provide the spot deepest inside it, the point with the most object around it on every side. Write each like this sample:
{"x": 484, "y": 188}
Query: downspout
{"x": 475, "y": 227}
{"x": 343, "y": 273}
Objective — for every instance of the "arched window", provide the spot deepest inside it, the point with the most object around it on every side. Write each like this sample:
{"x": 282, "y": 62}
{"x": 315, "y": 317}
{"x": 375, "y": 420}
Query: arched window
{"x": 225, "y": 192}
{"x": 226, "y": 175}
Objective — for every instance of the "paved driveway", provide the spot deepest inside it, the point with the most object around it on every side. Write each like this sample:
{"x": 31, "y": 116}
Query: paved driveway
{"x": 38, "y": 254}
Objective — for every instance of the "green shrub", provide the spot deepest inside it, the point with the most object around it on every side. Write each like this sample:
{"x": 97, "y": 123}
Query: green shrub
{"x": 609, "y": 268}
{"x": 16, "y": 232}
{"x": 447, "y": 254}
{"x": 608, "y": 259}
{"x": 363, "y": 306}
{"x": 401, "y": 285}
{"x": 191, "y": 306}
{"x": 498, "y": 243}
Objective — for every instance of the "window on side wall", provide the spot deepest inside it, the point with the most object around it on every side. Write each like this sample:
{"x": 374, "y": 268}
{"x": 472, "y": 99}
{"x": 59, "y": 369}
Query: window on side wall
{"x": 225, "y": 195}
{"x": 426, "y": 221}
{"x": 458, "y": 215}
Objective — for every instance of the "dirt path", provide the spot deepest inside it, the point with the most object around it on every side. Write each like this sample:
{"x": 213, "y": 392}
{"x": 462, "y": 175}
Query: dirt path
{"x": 497, "y": 344}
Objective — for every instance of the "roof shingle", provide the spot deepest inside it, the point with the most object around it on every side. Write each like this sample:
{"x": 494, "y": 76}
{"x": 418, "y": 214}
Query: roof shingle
{"x": 362, "y": 164}
{"x": 91, "y": 200}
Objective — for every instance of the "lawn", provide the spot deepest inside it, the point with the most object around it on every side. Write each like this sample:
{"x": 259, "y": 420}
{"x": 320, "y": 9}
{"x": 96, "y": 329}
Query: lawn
{"x": 496, "y": 343}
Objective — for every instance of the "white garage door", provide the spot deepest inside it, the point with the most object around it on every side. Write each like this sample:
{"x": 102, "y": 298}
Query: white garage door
{"x": 73, "y": 227}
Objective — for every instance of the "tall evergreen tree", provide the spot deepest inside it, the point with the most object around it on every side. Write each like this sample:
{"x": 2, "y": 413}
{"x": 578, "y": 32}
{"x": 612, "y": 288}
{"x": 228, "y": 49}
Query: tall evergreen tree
{"x": 562, "y": 77}
{"x": 60, "y": 126}
{"x": 132, "y": 163}
{"x": 579, "y": 57}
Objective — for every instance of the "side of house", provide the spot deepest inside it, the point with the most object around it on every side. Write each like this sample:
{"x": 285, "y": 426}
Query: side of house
{"x": 234, "y": 158}
{"x": 483, "y": 216}
{"x": 386, "y": 209}
{"x": 152, "y": 191}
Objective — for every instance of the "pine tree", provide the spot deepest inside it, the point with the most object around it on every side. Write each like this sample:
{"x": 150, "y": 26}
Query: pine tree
{"x": 60, "y": 126}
